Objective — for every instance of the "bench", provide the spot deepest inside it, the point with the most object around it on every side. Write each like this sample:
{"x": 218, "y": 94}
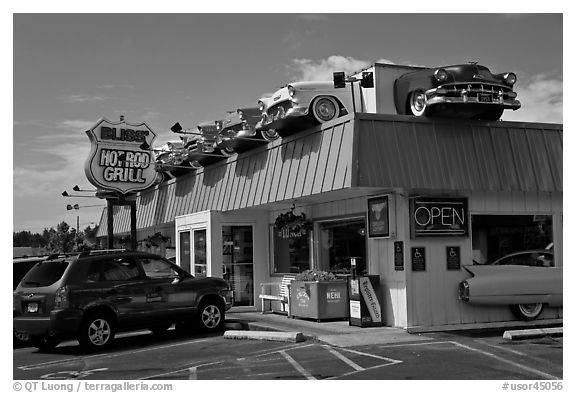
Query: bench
{"x": 276, "y": 291}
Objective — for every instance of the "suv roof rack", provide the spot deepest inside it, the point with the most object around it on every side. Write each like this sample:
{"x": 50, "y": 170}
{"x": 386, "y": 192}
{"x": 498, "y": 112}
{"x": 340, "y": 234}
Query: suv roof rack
{"x": 99, "y": 252}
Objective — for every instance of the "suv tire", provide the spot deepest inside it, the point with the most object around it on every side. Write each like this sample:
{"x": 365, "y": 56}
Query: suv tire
{"x": 210, "y": 316}
{"x": 97, "y": 331}
{"x": 44, "y": 343}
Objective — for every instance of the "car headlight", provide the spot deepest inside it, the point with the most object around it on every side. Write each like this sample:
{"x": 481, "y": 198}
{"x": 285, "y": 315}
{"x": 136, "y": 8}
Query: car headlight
{"x": 261, "y": 106}
{"x": 440, "y": 74}
{"x": 218, "y": 125}
{"x": 291, "y": 91}
{"x": 510, "y": 78}
{"x": 241, "y": 115}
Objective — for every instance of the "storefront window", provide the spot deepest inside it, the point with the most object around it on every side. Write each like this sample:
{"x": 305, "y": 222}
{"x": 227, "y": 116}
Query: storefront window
{"x": 494, "y": 236}
{"x": 291, "y": 251}
{"x": 339, "y": 242}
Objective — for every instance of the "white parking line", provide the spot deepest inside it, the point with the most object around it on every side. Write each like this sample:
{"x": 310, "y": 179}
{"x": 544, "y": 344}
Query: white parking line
{"x": 297, "y": 366}
{"x": 106, "y": 355}
{"x": 521, "y": 366}
{"x": 344, "y": 359}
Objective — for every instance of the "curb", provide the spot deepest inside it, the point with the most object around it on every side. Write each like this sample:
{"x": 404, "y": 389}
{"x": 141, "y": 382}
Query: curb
{"x": 293, "y": 337}
{"x": 532, "y": 333}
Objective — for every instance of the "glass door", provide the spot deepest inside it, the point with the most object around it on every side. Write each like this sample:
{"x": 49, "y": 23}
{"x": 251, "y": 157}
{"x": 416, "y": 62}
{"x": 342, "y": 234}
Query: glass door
{"x": 185, "y": 250}
{"x": 238, "y": 262}
{"x": 200, "y": 262}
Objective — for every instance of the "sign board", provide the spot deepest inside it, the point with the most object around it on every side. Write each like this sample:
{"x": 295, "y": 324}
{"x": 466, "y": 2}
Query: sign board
{"x": 399, "y": 255}
{"x": 453, "y": 258}
{"x": 379, "y": 216}
{"x": 370, "y": 299}
{"x": 439, "y": 217}
{"x": 116, "y": 162}
{"x": 418, "y": 259}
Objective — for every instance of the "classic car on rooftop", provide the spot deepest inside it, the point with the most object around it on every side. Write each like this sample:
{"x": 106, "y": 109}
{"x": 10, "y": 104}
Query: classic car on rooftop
{"x": 237, "y": 132}
{"x": 301, "y": 104}
{"x": 465, "y": 90}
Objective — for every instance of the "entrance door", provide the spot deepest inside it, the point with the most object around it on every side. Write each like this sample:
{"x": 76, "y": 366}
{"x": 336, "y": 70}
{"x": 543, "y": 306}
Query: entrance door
{"x": 238, "y": 262}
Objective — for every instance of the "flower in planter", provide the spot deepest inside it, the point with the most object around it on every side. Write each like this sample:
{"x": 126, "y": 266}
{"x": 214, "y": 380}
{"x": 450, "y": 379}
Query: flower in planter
{"x": 315, "y": 275}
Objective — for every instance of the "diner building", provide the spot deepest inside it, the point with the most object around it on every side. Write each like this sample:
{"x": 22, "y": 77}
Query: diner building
{"x": 410, "y": 200}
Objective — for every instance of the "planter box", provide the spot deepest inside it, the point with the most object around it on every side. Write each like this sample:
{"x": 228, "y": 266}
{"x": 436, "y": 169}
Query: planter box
{"x": 319, "y": 300}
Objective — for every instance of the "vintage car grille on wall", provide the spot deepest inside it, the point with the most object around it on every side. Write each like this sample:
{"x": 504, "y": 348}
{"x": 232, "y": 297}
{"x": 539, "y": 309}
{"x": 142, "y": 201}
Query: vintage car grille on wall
{"x": 473, "y": 89}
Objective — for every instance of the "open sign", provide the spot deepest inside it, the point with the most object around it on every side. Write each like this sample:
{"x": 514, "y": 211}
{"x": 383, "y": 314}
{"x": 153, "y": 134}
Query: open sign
{"x": 433, "y": 216}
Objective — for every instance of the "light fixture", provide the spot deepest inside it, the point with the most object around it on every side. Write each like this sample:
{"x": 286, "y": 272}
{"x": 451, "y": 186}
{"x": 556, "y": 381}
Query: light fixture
{"x": 70, "y": 207}
{"x": 176, "y": 128}
{"x": 78, "y": 189}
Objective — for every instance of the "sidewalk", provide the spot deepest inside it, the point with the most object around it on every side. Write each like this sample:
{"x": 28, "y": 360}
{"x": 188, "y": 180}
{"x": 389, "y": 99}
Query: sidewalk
{"x": 337, "y": 333}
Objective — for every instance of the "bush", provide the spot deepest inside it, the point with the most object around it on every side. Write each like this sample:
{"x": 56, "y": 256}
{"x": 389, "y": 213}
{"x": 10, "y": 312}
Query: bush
{"x": 315, "y": 275}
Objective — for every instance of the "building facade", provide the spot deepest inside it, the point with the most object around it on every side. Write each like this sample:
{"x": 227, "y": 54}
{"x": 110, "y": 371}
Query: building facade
{"x": 411, "y": 200}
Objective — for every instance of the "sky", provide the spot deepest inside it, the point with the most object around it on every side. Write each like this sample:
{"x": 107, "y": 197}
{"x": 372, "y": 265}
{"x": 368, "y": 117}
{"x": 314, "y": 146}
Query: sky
{"x": 69, "y": 70}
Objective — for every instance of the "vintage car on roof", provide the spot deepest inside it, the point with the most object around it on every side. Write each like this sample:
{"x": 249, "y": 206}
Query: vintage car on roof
{"x": 237, "y": 132}
{"x": 172, "y": 158}
{"x": 202, "y": 147}
{"x": 525, "y": 281}
{"x": 464, "y": 90}
{"x": 301, "y": 104}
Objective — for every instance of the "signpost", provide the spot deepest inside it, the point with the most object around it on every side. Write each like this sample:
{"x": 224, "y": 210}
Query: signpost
{"x": 118, "y": 167}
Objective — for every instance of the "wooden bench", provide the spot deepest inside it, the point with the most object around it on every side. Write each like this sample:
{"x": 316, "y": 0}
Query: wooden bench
{"x": 276, "y": 291}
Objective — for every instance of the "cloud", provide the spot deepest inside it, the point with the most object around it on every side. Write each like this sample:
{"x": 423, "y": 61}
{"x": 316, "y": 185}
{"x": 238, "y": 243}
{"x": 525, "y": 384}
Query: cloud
{"x": 79, "y": 98}
{"x": 541, "y": 97}
{"x": 28, "y": 180}
{"x": 75, "y": 125}
{"x": 310, "y": 70}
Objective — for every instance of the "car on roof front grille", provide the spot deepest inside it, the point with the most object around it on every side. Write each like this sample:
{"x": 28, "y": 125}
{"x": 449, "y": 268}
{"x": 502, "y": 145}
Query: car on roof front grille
{"x": 465, "y": 91}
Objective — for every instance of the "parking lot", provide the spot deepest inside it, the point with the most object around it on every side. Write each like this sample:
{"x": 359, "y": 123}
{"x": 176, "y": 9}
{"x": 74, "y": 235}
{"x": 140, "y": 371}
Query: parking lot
{"x": 434, "y": 356}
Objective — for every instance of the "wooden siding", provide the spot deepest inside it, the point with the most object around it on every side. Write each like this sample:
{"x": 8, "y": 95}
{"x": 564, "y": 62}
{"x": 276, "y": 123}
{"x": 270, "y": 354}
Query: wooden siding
{"x": 417, "y": 154}
{"x": 310, "y": 162}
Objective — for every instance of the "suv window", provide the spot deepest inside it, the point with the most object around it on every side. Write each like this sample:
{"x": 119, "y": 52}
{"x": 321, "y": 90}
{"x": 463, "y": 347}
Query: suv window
{"x": 117, "y": 269}
{"x": 44, "y": 274}
{"x": 158, "y": 268}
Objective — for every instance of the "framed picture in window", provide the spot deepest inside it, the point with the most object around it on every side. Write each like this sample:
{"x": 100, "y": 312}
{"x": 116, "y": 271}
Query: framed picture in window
{"x": 379, "y": 216}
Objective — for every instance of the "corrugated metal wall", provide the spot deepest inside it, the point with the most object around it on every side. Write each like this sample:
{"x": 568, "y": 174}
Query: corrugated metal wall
{"x": 404, "y": 152}
{"x": 307, "y": 163}
{"x": 367, "y": 151}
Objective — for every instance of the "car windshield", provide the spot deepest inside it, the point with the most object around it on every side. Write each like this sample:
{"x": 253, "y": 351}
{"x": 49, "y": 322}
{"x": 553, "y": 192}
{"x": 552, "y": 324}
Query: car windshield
{"x": 528, "y": 259}
{"x": 44, "y": 274}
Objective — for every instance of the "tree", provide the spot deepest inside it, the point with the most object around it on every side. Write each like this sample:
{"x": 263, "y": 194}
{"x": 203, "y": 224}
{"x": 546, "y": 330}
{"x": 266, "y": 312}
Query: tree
{"x": 62, "y": 239}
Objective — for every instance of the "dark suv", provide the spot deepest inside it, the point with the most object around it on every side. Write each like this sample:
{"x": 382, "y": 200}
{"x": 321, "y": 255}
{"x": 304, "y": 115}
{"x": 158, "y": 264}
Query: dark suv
{"x": 91, "y": 296}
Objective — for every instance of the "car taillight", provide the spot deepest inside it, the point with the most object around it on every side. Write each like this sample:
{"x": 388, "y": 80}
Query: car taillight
{"x": 464, "y": 291}
{"x": 61, "y": 298}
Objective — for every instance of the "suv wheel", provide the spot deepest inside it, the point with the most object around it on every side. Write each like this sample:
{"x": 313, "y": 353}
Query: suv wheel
{"x": 97, "y": 331}
{"x": 44, "y": 343}
{"x": 210, "y": 316}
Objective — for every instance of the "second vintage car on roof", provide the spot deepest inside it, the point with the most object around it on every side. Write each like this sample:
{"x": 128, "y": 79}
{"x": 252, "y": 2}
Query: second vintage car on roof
{"x": 301, "y": 104}
{"x": 525, "y": 281}
{"x": 237, "y": 132}
{"x": 464, "y": 90}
